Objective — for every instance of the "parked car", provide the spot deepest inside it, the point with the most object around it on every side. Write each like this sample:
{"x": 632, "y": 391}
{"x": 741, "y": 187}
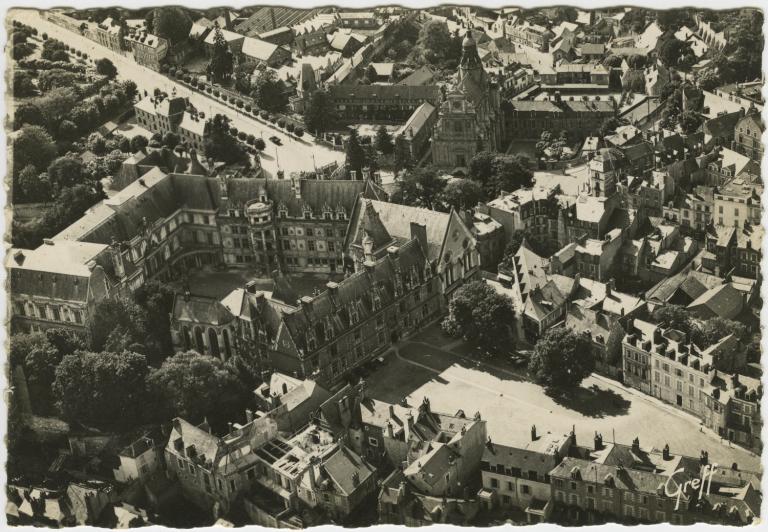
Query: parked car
{"x": 276, "y": 140}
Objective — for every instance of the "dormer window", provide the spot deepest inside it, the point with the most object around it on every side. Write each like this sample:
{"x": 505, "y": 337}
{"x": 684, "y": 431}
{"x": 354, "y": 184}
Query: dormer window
{"x": 283, "y": 213}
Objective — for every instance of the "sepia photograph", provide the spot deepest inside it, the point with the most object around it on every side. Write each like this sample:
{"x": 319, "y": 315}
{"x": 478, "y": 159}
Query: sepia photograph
{"x": 395, "y": 265}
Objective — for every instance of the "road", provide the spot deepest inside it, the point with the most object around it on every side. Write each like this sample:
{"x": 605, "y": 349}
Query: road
{"x": 511, "y": 405}
{"x": 293, "y": 156}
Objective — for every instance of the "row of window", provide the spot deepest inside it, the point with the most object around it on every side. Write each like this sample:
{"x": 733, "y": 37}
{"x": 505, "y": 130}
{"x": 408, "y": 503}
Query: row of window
{"x": 49, "y": 312}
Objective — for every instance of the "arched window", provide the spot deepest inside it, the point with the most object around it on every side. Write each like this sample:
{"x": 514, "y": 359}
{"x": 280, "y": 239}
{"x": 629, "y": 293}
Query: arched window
{"x": 213, "y": 343}
{"x": 187, "y": 338}
{"x": 199, "y": 340}
{"x": 227, "y": 345}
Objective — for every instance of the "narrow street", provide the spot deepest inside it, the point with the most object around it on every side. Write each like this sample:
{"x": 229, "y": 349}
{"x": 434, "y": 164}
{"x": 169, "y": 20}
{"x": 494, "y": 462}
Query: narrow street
{"x": 293, "y": 155}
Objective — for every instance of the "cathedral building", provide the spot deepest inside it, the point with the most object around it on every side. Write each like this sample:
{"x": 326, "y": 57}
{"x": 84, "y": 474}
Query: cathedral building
{"x": 470, "y": 117}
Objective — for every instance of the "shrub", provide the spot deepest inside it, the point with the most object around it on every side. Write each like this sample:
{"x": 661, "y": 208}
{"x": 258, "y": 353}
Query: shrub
{"x": 290, "y": 127}
{"x": 85, "y": 56}
{"x": 281, "y": 123}
{"x": 259, "y": 144}
{"x": 233, "y": 131}
{"x": 78, "y": 53}
{"x": 240, "y": 104}
{"x": 251, "y": 139}
{"x": 225, "y": 97}
{"x": 299, "y": 131}
{"x": 216, "y": 93}
{"x": 247, "y": 108}
{"x": 242, "y": 136}
{"x": 208, "y": 89}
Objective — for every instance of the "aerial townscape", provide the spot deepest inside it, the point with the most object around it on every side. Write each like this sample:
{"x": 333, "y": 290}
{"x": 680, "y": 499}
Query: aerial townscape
{"x": 453, "y": 265}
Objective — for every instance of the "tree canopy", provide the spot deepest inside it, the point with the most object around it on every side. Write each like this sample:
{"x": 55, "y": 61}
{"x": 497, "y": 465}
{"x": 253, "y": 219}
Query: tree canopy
{"x": 499, "y": 172}
{"x": 172, "y": 23}
{"x": 192, "y": 386}
{"x": 319, "y": 112}
{"x": 561, "y": 359}
{"x": 479, "y": 314}
{"x": 269, "y": 92}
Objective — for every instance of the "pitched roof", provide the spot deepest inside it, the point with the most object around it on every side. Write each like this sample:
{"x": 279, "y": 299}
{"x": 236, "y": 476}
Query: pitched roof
{"x": 387, "y": 92}
{"x": 202, "y": 310}
{"x": 723, "y": 300}
{"x": 258, "y": 48}
{"x": 347, "y": 470}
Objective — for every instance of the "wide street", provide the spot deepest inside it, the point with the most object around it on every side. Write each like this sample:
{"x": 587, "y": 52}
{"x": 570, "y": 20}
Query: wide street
{"x": 294, "y": 155}
{"x": 510, "y": 404}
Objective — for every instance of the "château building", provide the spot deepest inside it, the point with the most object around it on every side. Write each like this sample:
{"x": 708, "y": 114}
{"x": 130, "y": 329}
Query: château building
{"x": 470, "y": 117}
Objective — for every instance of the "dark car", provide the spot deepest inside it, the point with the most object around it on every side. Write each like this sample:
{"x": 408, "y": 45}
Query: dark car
{"x": 276, "y": 140}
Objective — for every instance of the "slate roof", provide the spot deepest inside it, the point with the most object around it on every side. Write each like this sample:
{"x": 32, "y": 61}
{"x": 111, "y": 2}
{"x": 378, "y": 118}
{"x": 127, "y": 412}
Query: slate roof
{"x": 723, "y": 300}
{"x": 387, "y": 92}
{"x": 344, "y": 466}
{"x": 198, "y": 309}
{"x": 258, "y": 49}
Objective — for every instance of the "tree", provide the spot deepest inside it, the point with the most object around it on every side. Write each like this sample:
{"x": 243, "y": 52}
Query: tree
{"x": 674, "y": 316}
{"x": 172, "y": 23}
{"x": 355, "y": 155}
{"x": 243, "y": 72}
{"x": 130, "y": 89}
{"x": 676, "y": 53}
{"x": 56, "y": 105}
{"x": 102, "y": 389}
{"x": 192, "y": 386}
{"x": 22, "y": 84}
{"x": 612, "y": 61}
{"x": 319, "y": 112}
{"x": 171, "y": 140}
{"x": 56, "y": 78}
{"x": 38, "y": 358}
{"x": 32, "y": 186}
{"x": 221, "y": 64}
{"x": 33, "y": 146}
{"x": 481, "y": 315}
{"x": 139, "y": 143}
{"x": 118, "y": 323}
{"x": 420, "y": 187}
{"x": 259, "y": 144}
{"x": 561, "y": 359}
{"x": 268, "y": 91}
{"x": 384, "y": 141}
{"x": 67, "y": 130}
{"x": 105, "y": 67}
{"x": 65, "y": 172}
{"x": 156, "y": 298}
{"x": 711, "y": 331}
{"x": 27, "y": 113}
{"x": 510, "y": 172}
{"x": 462, "y": 194}
{"x": 219, "y": 144}
{"x": 690, "y": 122}
{"x": 436, "y": 45}
{"x": 402, "y": 154}
{"x": 22, "y": 50}
{"x": 481, "y": 166}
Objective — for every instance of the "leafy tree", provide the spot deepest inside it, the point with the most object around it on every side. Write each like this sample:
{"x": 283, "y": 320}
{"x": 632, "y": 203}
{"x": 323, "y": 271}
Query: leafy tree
{"x": 32, "y": 186}
{"x": 741, "y": 59}
{"x": 690, "y": 122}
{"x": 355, "y": 154}
{"x": 612, "y": 61}
{"x": 402, "y": 153}
{"x": 171, "y": 140}
{"x": 221, "y": 64}
{"x": 674, "y": 316}
{"x": 56, "y": 78}
{"x": 65, "y": 172}
{"x": 22, "y": 50}
{"x": 676, "y": 53}
{"x": 243, "y": 72}
{"x": 67, "y": 130}
{"x": 156, "y": 298}
{"x": 713, "y": 330}
{"x": 419, "y": 187}
{"x": 27, "y": 113}
{"x": 481, "y": 165}
{"x": 192, "y": 386}
{"x": 138, "y": 143}
{"x": 105, "y": 67}
{"x": 34, "y": 353}
{"x": 172, "y": 23}
{"x": 674, "y": 19}
{"x": 268, "y": 91}
{"x": 384, "y": 141}
{"x": 102, "y": 389}
{"x": 319, "y": 112}
{"x": 510, "y": 172}
{"x": 259, "y": 144}
{"x": 436, "y": 45}
{"x": 219, "y": 144}
{"x": 56, "y": 105}
{"x": 22, "y": 84}
{"x": 462, "y": 194}
{"x": 130, "y": 89}
{"x": 118, "y": 322}
{"x": 33, "y": 146}
{"x": 561, "y": 359}
{"x": 480, "y": 314}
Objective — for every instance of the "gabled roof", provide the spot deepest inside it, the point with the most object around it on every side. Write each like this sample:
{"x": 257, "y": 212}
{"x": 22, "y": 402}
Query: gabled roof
{"x": 347, "y": 470}
{"x": 724, "y": 301}
{"x": 258, "y": 49}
